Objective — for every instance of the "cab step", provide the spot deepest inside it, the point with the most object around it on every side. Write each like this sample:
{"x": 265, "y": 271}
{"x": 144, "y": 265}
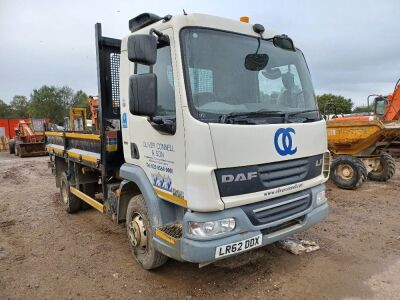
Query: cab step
{"x": 170, "y": 232}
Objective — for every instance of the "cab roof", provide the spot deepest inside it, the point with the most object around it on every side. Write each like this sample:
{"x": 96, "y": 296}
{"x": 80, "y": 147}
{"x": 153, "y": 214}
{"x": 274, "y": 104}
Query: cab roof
{"x": 178, "y": 22}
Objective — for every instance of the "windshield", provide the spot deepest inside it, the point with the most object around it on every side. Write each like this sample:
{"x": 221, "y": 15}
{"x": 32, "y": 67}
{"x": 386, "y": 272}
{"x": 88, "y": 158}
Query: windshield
{"x": 219, "y": 83}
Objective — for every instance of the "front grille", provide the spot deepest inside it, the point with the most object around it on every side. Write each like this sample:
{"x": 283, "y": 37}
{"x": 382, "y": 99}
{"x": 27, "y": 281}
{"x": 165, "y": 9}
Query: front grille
{"x": 283, "y": 173}
{"x": 277, "y": 209}
{"x": 256, "y": 178}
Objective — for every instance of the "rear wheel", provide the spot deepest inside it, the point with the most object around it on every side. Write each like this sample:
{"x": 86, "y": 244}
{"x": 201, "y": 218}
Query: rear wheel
{"x": 11, "y": 146}
{"x": 386, "y": 169}
{"x": 140, "y": 235}
{"x": 70, "y": 201}
{"x": 348, "y": 172}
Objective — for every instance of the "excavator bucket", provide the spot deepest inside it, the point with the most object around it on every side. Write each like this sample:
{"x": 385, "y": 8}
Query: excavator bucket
{"x": 32, "y": 149}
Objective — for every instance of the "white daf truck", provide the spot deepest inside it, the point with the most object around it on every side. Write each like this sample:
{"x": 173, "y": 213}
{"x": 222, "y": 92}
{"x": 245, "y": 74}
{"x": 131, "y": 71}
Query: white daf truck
{"x": 210, "y": 141}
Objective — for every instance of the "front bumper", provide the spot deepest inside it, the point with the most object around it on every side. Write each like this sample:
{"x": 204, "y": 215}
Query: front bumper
{"x": 202, "y": 250}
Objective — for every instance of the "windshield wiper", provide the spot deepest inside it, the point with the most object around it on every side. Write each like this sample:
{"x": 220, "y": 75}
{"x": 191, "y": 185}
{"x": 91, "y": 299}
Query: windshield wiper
{"x": 291, "y": 114}
{"x": 270, "y": 113}
{"x": 225, "y": 117}
{"x": 301, "y": 111}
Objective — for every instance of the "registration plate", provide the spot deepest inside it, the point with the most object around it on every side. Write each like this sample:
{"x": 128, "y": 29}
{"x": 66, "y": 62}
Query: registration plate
{"x": 238, "y": 247}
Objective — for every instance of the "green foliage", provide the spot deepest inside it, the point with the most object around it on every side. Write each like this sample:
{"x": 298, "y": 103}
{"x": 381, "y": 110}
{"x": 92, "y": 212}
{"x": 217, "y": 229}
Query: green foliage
{"x": 19, "y": 107}
{"x": 343, "y": 105}
{"x": 66, "y": 96}
{"x": 54, "y": 102}
{"x": 362, "y": 109}
{"x": 16, "y": 109}
{"x": 5, "y": 110}
{"x": 48, "y": 102}
{"x": 81, "y": 99}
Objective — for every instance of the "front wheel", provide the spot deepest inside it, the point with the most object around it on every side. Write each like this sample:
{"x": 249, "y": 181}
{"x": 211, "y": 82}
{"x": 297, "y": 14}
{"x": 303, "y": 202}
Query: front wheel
{"x": 11, "y": 146}
{"x": 348, "y": 172}
{"x": 386, "y": 169}
{"x": 140, "y": 235}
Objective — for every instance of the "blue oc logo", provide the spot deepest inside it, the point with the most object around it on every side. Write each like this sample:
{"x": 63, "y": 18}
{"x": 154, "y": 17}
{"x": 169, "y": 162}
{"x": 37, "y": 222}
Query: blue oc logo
{"x": 283, "y": 141}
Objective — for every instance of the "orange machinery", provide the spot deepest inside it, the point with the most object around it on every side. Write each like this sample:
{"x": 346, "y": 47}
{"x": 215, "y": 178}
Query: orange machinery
{"x": 386, "y": 108}
{"x": 94, "y": 108}
{"x": 28, "y": 141}
{"x": 392, "y": 104}
{"x": 360, "y": 145}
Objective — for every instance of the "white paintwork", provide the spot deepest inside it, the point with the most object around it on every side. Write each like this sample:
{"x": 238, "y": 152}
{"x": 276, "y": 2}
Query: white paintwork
{"x": 200, "y": 148}
{"x": 242, "y": 145}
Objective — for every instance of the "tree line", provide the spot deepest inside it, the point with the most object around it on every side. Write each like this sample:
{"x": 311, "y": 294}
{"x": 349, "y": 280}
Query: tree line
{"x": 46, "y": 102}
{"x": 331, "y": 104}
{"x": 54, "y": 103}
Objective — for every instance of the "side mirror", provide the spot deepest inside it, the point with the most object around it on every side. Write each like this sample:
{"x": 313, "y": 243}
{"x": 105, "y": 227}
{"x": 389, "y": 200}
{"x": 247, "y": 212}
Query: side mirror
{"x": 143, "y": 94}
{"x": 142, "y": 49}
{"x": 284, "y": 42}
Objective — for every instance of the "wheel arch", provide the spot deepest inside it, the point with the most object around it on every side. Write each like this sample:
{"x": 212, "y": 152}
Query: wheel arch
{"x": 136, "y": 182}
{"x": 128, "y": 189}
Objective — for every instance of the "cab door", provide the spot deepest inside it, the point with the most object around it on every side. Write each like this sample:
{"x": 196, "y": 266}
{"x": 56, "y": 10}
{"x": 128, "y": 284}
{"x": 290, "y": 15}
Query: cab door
{"x": 158, "y": 151}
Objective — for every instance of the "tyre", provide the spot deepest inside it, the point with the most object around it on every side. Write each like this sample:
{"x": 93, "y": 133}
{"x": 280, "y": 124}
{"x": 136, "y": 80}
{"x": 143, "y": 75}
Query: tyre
{"x": 70, "y": 202}
{"x": 11, "y": 146}
{"x": 16, "y": 150}
{"x": 386, "y": 169}
{"x": 348, "y": 172}
{"x": 140, "y": 235}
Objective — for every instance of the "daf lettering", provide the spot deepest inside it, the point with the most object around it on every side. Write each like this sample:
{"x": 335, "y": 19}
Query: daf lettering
{"x": 239, "y": 177}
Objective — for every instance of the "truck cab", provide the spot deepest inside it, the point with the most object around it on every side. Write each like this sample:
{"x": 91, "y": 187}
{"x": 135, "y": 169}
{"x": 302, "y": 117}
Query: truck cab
{"x": 218, "y": 143}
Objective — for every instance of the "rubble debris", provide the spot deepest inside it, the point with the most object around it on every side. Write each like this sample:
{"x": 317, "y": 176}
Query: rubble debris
{"x": 298, "y": 247}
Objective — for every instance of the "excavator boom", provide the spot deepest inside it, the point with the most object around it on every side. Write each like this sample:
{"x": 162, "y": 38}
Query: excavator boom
{"x": 393, "y": 108}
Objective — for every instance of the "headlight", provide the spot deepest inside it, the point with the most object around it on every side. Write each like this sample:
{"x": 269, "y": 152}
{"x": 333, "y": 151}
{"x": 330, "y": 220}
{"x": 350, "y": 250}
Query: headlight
{"x": 321, "y": 198}
{"x": 211, "y": 228}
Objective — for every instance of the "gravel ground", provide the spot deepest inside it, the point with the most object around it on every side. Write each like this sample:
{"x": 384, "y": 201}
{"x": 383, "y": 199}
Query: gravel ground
{"x": 46, "y": 253}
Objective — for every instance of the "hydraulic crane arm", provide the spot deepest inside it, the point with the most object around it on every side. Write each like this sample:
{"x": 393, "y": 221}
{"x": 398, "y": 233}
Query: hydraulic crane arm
{"x": 393, "y": 107}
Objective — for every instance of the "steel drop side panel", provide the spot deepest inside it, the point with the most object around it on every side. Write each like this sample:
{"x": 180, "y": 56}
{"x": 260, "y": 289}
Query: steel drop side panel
{"x": 79, "y": 147}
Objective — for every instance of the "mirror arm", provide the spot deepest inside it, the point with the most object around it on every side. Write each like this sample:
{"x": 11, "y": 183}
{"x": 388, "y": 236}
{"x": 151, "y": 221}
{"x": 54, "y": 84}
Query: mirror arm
{"x": 163, "y": 39}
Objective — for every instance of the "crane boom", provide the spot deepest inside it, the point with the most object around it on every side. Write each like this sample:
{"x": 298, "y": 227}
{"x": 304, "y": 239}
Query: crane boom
{"x": 393, "y": 108}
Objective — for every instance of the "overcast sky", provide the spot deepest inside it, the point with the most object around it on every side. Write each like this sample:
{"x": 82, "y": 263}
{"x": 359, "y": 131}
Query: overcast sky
{"x": 352, "y": 47}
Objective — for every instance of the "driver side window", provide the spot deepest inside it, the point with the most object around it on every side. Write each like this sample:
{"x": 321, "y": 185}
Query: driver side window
{"x": 165, "y": 82}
